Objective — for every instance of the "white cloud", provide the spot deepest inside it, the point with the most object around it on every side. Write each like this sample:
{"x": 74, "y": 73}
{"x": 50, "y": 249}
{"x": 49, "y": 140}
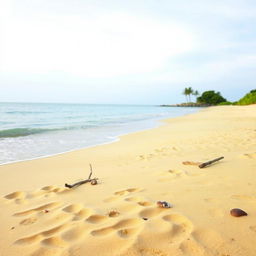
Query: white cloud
{"x": 50, "y": 44}
{"x": 98, "y": 46}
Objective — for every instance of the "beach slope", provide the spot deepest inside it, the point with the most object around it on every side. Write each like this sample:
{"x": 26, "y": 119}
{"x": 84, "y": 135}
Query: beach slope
{"x": 119, "y": 216}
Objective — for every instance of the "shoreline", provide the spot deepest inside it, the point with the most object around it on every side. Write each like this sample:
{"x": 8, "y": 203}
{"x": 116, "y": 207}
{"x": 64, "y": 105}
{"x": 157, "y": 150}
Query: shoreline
{"x": 158, "y": 123}
{"x": 119, "y": 216}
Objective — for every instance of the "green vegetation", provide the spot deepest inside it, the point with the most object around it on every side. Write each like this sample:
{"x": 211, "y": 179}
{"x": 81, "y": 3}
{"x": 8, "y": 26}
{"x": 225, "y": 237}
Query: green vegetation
{"x": 225, "y": 103}
{"x": 187, "y": 92}
{"x": 211, "y": 98}
{"x": 249, "y": 98}
{"x": 215, "y": 98}
{"x": 195, "y": 93}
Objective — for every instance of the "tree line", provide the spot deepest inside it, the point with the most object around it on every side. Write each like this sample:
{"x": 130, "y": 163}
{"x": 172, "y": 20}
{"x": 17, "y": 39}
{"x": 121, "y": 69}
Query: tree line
{"x": 215, "y": 98}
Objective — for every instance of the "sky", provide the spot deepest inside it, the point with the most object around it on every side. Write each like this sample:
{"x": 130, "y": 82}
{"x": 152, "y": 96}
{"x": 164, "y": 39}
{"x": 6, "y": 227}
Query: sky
{"x": 130, "y": 52}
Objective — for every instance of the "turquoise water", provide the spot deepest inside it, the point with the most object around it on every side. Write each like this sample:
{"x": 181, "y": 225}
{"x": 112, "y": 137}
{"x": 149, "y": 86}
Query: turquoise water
{"x": 31, "y": 130}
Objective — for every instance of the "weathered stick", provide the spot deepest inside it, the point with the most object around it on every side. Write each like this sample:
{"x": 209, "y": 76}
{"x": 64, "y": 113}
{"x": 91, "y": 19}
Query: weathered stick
{"x": 210, "y": 162}
{"x": 90, "y": 172}
{"x": 93, "y": 181}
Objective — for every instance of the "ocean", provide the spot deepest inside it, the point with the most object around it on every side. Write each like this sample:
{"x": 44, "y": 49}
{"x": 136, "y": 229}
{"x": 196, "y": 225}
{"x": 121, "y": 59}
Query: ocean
{"x": 32, "y": 130}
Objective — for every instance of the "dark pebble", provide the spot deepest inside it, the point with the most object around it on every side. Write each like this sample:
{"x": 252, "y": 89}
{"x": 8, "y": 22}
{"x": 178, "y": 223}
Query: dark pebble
{"x": 94, "y": 182}
{"x": 236, "y": 212}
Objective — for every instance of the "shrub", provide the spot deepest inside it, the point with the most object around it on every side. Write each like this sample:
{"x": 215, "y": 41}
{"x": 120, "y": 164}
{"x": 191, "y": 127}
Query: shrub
{"x": 211, "y": 97}
{"x": 249, "y": 98}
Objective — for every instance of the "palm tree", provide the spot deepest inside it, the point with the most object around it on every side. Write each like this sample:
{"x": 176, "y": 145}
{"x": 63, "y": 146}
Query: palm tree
{"x": 195, "y": 93}
{"x": 189, "y": 91}
{"x": 185, "y": 92}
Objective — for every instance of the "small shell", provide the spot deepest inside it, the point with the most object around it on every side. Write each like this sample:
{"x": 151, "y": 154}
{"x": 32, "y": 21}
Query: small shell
{"x": 163, "y": 204}
{"x": 238, "y": 212}
{"x": 94, "y": 182}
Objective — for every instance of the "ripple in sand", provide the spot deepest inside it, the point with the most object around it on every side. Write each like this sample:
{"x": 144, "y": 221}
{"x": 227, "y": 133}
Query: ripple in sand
{"x": 102, "y": 231}
{"x": 96, "y": 219}
{"x": 37, "y": 209}
{"x": 72, "y": 208}
{"x": 15, "y": 195}
{"x": 54, "y": 242}
{"x": 29, "y": 240}
{"x": 54, "y": 230}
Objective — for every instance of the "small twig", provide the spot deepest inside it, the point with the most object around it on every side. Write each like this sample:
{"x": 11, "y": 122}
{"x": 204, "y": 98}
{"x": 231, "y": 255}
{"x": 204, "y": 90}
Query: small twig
{"x": 90, "y": 172}
{"x": 210, "y": 162}
{"x": 93, "y": 181}
{"x": 79, "y": 183}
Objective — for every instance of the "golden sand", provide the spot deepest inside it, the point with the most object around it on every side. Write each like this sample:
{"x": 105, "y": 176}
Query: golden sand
{"x": 119, "y": 216}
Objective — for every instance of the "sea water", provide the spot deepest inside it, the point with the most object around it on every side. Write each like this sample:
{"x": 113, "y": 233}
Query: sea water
{"x": 32, "y": 130}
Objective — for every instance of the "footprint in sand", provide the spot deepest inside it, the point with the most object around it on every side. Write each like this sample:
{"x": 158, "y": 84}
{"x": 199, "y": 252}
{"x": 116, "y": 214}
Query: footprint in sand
{"x": 126, "y": 191}
{"x": 119, "y": 194}
{"x": 249, "y": 156}
{"x": 139, "y": 200}
{"x": 133, "y": 199}
{"x": 39, "y": 236}
{"x": 146, "y": 157}
{"x": 77, "y": 211}
{"x": 72, "y": 208}
{"x": 145, "y": 203}
{"x": 54, "y": 189}
{"x": 173, "y": 174}
{"x": 28, "y": 221}
{"x": 18, "y": 197}
{"x": 124, "y": 228}
{"x": 15, "y": 195}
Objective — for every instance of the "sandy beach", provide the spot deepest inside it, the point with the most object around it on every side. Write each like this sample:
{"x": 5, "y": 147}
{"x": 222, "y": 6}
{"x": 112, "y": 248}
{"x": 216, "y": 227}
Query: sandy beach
{"x": 119, "y": 216}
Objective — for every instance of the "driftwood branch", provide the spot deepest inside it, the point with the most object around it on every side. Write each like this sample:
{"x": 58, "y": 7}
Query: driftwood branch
{"x": 202, "y": 165}
{"x": 210, "y": 162}
{"x": 93, "y": 181}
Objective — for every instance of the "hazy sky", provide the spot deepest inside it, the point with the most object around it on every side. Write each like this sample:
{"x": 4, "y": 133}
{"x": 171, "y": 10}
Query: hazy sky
{"x": 132, "y": 51}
